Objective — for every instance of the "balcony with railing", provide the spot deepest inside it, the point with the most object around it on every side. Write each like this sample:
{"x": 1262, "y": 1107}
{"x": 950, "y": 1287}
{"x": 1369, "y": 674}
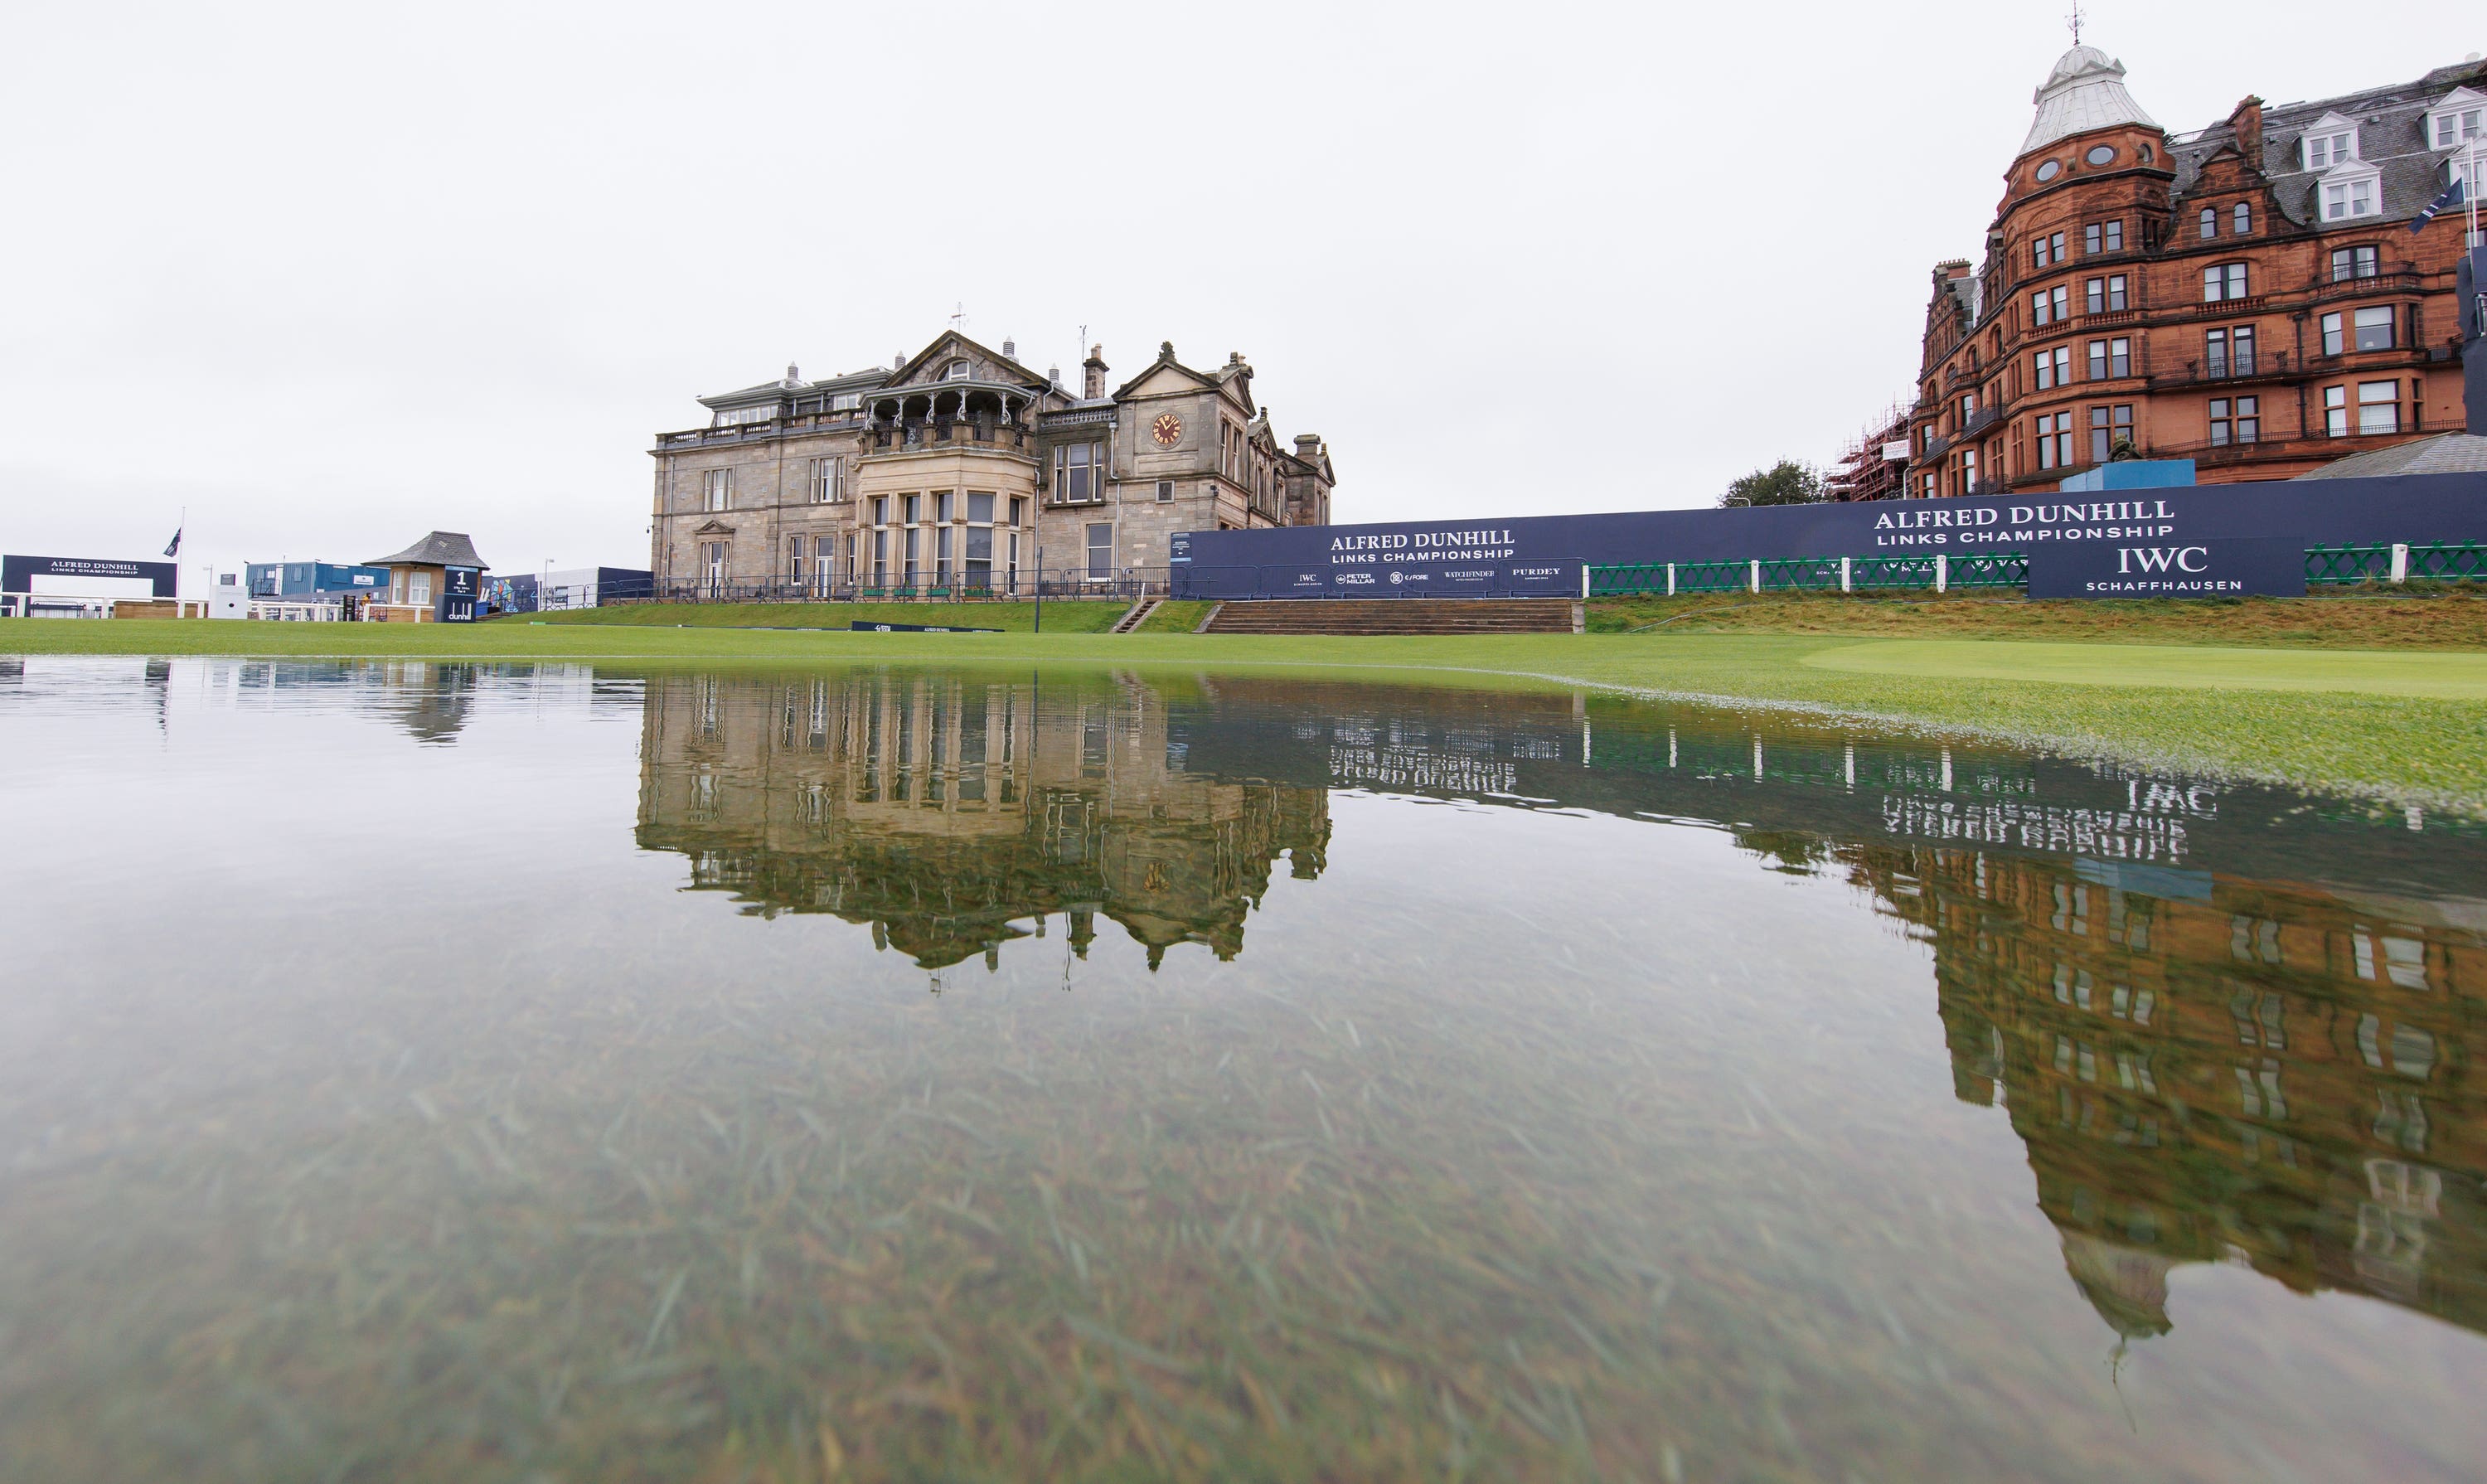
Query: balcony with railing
{"x": 976, "y": 429}
{"x": 2232, "y": 367}
{"x": 759, "y": 431}
{"x": 2387, "y": 278}
{"x": 1980, "y": 420}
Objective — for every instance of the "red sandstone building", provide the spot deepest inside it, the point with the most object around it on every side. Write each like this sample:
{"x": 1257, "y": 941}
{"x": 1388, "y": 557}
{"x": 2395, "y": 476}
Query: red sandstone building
{"x": 2248, "y": 297}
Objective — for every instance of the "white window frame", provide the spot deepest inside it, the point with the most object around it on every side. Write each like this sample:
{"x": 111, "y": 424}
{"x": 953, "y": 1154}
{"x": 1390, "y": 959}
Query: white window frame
{"x": 1089, "y": 548}
{"x": 716, "y": 490}
{"x": 828, "y": 481}
{"x": 2331, "y": 141}
{"x": 2352, "y": 193}
{"x": 959, "y": 371}
{"x": 2387, "y": 404}
{"x": 2459, "y": 115}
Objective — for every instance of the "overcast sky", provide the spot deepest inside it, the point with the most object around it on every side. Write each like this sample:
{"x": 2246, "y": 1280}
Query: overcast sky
{"x": 331, "y": 276}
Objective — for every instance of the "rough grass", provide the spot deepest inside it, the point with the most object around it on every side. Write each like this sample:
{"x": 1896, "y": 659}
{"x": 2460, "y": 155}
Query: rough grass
{"x": 1067, "y": 616}
{"x": 2344, "y": 735}
{"x": 2358, "y": 618}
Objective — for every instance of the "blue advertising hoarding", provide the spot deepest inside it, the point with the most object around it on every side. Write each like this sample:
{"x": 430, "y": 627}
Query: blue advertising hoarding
{"x": 1326, "y": 561}
{"x": 2245, "y": 567}
{"x": 18, "y": 573}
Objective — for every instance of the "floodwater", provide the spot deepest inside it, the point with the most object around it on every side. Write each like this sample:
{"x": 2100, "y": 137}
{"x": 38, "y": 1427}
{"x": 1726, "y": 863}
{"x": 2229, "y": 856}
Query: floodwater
{"x": 470, "y": 1073}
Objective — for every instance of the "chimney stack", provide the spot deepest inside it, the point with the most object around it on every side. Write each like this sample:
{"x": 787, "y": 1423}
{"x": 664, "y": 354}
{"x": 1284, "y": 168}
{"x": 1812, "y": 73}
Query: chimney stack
{"x": 2247, "y": 120}
{"x": 1092, "y": 373}
{"x": 1009, "y": 347}
{"x": 1308, "y": 447}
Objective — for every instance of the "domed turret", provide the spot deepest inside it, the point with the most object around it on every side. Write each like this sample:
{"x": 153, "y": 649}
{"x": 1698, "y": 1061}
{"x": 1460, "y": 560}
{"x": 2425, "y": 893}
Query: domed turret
{"x": 2084, "y": 91}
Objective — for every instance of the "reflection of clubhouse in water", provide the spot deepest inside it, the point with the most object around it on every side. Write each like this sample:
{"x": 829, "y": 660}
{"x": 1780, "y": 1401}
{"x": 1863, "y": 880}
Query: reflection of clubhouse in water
{"x": 945, "y": 809}
{"x": 2243, "y": 1071}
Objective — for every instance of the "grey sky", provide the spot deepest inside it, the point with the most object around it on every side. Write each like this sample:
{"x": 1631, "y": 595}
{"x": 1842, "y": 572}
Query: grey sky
{"x": 332, "y": 276}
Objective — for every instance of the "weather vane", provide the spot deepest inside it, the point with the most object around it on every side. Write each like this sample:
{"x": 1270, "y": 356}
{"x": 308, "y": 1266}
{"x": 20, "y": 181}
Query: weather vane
{"x": 2074, "y": 20}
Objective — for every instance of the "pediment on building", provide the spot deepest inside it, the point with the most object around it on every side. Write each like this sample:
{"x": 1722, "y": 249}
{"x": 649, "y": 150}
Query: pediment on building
{"x": 927, "y": 367}
{"x": 1165, "y": 378}
{"x": 715, "y": 528}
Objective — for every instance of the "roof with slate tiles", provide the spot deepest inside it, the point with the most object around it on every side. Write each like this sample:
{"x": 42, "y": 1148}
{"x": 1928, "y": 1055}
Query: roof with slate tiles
{"x": 2392, "y": 136}
{"x": 2449, "y": 453}
{"x": 440, "y": 549}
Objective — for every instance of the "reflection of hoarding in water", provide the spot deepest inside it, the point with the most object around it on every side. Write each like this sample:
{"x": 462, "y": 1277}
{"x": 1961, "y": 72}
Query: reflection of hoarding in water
{"x": 88, "y": 576}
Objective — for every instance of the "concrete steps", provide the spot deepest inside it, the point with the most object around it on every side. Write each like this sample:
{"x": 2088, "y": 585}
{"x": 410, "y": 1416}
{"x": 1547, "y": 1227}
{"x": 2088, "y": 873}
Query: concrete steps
{"x": 1138, "y": 615}
{"x": 1401, "y": 616}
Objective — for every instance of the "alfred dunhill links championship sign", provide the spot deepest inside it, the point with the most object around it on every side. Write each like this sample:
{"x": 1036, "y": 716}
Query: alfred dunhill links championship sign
{"x": 2192, "y": 541}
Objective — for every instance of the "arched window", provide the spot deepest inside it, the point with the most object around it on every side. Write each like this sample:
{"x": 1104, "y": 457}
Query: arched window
{"x": 957, "y": 371}
{"x": 2241, "y": 220}
{"x": 2210, "y": 221}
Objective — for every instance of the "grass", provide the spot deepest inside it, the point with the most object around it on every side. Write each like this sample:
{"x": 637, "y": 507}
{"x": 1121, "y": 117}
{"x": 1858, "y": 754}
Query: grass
{"x": 2377, "y": 724}
{"x": 1060, "y": 617}
{"x": 1175, "y": 618}
{"x": 2354, "y": 619}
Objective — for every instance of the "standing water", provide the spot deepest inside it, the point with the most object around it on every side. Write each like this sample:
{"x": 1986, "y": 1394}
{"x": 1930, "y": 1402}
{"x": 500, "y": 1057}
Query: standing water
{"x": 439, "y": 1072}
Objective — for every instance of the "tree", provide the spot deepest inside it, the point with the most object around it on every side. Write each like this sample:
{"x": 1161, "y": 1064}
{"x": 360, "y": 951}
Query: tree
{"x": 1787, "y": 483}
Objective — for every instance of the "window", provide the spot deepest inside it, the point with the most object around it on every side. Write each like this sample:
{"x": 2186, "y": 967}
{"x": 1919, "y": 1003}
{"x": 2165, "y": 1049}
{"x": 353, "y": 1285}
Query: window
{"x": 418, "y": 588}
{"x": 827, "y": 486}
{"x": 2465, "y": 171}
{"x": 2335, "y": 412}
{"x": 2326, "y": 150}
{"x": 1929, "y": 492}
{"x": 880, "y": 556}
{"x": 2235, "y": 420}
{"x": 2378, "y": 407}
{"x": 717, "y": 488}
{"x": 2051, "y": 368}
{"x": 2349, "y": 262}
{"x": 2048, "y": 305}
{"x": 1078, "y": 473}
{"x": 1101, "y": 551}
{"x": 2105, "y": 295}
{"x": 941, "y": 506}
{"x": 2229, "y": 351}
{"x": 942, "y": 536}
{"x": 980, "y": 557}
{"x": 2374, "y": 328}
{"x": 2108, "y": 427}
{"x": 2210, "y": 222}
{"x": 2335, "y": 341}
{"x": 914, "y": 508}
{"x": 825, "y": 563}
{"x": 2459, "y": 117}
{"x": 2047, "y": 249}
{"x": 738, "y": 416}
{"x": 846, "y": 402}
{"x": 2102, "y": 237}
{"x": 794, "y": 559}
{"x": 713, "y": 557}
{"x": 957, "y": 371}
{"x": 2055, "y": 431}
{"x": 2224, "y": 281}
{"x": 1967, "y": 406}
{"x": 2241, "y": 219}
{"x": 2111, "y": 358}
{"x": 2344, "y": 200}
{"x": 1165, "y": 492}
{"x": 911, "y": 547}
{"x": 881, "y": 510}
{"x": 1018, "y": 509}
{"x": 980, "y": 508}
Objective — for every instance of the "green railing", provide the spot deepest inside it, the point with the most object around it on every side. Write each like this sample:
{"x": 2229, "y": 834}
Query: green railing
{"x": 2324, "y": 567}
{"x": 1818, "y": 573}
{"x": 2446, "y": 561}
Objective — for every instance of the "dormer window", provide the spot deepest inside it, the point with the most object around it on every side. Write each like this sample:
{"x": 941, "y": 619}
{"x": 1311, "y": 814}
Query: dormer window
{"x": 2350, "y": 192}
{"x": 736, "y": 417}
{"x": 957, "y": 371}
{"x": 2332, "y": 141}
{"x": 2460, "y": 118}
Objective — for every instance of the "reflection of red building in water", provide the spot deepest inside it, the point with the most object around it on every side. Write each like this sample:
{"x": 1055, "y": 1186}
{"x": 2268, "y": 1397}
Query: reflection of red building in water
{"x": 2205, "y": 1068}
